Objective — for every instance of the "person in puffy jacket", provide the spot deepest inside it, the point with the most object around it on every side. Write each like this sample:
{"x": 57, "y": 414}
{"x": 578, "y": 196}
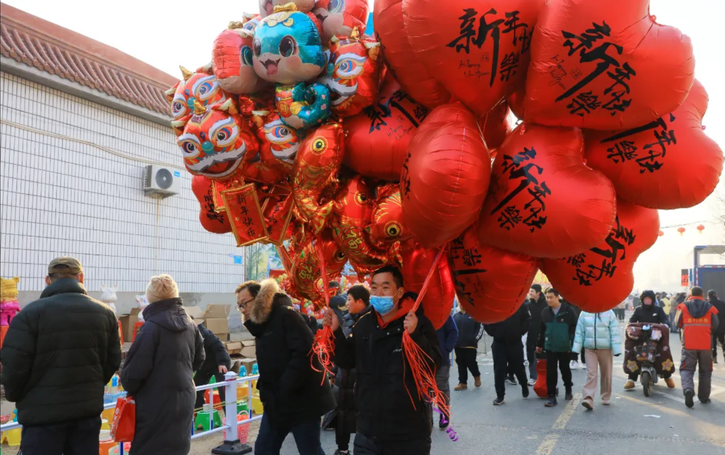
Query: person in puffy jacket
{"x": 158, "y": 372}
{"x": 598, "y": 334}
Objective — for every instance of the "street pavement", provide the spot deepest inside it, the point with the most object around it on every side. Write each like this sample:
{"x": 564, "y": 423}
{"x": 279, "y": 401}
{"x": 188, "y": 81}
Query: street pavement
{"x": 632, "y": 424}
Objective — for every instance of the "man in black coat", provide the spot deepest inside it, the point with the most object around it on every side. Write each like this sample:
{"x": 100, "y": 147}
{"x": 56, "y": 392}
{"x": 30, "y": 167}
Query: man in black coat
{"x": 652, "y": 313}
{"x": 718, "y": 335}
{"x": 294, "y": 395}
{"x": 508, "y": 351}
{"x": 536, "y": 304}
{"x": 391, "y": 418}
{"x": 217, "y": 363}
{"x": 58, "y": 355}
{"x": 466, "y": 349}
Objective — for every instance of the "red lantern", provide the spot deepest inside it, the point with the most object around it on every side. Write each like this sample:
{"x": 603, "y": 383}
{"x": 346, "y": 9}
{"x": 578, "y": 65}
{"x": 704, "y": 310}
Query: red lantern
{"x": 605, "y": 65}
{"x": 445, "y": 177}
{"x": 480, "y": 71}
{"x": 490, "y": 283}
{"x": 600, "y": 278}
{"x": 660, "y": 234}
{"x": 210, "y": 219}
{"x": 438, "y": 300}
{"x": 402, "y": 62}
{"x": 673, "y": 148}
{"x": 701, "y": 228}
{"x": 681, "y": 230}
{"x": 376, "y": 140}
{"x": 543, "y": 201}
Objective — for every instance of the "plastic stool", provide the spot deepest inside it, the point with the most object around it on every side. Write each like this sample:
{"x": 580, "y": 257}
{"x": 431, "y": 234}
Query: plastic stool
{"x": 136, "y": 326}
{"x": 105, "y": 425}
{"x": 13, "y": 437}
{"x": 205, "y": 421}
{"x": 217, "y": 400}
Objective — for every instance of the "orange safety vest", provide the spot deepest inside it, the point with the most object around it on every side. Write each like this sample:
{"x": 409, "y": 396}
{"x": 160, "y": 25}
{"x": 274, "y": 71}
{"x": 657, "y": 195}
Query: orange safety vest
{"x": 697, "y": 331}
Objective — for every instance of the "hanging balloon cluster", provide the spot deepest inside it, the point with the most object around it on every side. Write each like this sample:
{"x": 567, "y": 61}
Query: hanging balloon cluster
{"x": 339, "y": 147}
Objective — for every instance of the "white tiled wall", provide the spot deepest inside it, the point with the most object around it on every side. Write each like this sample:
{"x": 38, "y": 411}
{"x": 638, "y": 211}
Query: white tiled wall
{"x": 59, "y": 197}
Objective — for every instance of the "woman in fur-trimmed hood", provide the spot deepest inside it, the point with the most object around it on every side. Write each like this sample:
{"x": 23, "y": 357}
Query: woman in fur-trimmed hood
{"x": 292, "y": 392}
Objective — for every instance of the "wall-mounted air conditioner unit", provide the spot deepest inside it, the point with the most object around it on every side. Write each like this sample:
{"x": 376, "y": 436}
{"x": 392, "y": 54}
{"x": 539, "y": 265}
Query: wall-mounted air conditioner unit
{"x": 160, "y": 182}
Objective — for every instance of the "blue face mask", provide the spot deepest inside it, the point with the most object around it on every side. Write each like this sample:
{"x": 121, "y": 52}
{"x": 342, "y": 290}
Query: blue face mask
{"x": 382, "y": 304}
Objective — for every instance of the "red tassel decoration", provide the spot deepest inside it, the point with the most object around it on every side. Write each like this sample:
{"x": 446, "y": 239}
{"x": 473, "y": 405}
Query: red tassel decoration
{"x": 324, "y": 345}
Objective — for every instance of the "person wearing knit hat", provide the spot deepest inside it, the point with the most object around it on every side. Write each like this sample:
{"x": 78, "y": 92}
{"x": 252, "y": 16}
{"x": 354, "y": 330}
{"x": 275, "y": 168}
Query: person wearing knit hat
{"x": 158, "y": 371}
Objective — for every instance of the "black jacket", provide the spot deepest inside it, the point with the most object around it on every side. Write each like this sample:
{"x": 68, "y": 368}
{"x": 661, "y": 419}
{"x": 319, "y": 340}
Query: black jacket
{"x": 384, "y": 408}
{"x": 512, "y": 329}
{"x": 215, "y": 352}
{"x": 291, "y": 391}
{"x": 720, "y": 307}
{"x": 59, "y": 353}
{"x": 535, "y": 308}
{"x": 652, "y": 314}
{"x": 469, "y": 331}
{"x": 556, "y": 332}
{"x": 158, "y": 373}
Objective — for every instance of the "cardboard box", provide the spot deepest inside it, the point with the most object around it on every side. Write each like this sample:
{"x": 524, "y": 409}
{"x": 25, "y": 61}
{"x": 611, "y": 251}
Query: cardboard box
{"x": 241, "y": 336}
{"x": 249, "y": 352}
{"x": 216, "y": 310}
{"x": 127, "y": 323}
{"x": 218, "y": 327}
{"x": 248, "y": 343}
{"x": 196, "y": 313}
{"x": 233, "y": 347}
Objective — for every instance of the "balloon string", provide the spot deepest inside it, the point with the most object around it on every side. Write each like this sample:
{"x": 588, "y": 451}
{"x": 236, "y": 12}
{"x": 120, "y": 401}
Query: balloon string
{"x": 451, "y": 432}
{"x": 323, "y": 347}
{"x": 421, "y": 365}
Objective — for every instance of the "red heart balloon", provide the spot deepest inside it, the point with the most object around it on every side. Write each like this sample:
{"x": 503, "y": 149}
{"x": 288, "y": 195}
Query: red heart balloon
{"x": 496, "y": 125}
{"x": 491, "y": 283}
{"x": 668, "y": 163}
{"x": 398, "y": 52}
{"x": 210, "y": 220}
{"x": 543, "y": 201}
{"x": 438, "y": 300}
{"x": 445, "y": 177}
{"x": 605, "y": 65}
{"x": 478, "y": 50}
{"x": 376, "y": 140}
{"x": 601, "y": 278}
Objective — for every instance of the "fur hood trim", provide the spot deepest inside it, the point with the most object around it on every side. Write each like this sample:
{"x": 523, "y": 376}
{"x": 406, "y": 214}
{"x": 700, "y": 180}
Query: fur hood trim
{"x": 262, "y": 304}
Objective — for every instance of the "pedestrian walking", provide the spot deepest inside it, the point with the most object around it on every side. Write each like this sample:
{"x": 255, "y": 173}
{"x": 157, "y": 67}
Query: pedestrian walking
{"x": 698, "y": 319}
{"x": 294, "y": 394}
{"x": 158, "y": 372}
{"x": 649, "y": 312}
{"x": 536, "y": 304}
{"x": 508, "y": 351}
{"x": 58, "y": 355}
{"x": 447, "y": 338}
{"x": 466, "y": 349}
{"x": 342, "y": 418}
{"x": 391, "y": 416}
{"x": 217, "y": 362}
{"x": 718, "y": 336}
{"x": 598, "y": 334}
{"x": 558, "y": 324}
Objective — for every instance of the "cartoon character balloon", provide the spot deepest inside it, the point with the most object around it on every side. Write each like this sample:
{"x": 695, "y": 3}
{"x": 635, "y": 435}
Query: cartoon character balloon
{"x": 341, "y": 17}
{"x": 217, "y": 142}
{"x": 287, "y": 47}
{"x": 200, "y": 87}
{"x": 302, "y": 106}
{"x": 232, "y": 61}
{"x": 352, "y": 74}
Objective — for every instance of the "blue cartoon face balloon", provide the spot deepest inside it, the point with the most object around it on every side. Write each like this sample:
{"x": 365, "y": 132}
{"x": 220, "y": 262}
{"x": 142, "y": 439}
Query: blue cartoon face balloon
{"x": 287, "y": 48}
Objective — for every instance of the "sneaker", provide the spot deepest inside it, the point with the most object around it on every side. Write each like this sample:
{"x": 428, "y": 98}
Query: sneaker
{"x": 477, "y": 381}
{"x": 525, "y": 390}
{"x": 551, "y": 402}
{"x": 689, "y": 395}
{"x": 588, "y": 403}
{"x": 460, "y": 386}
{"x": 573, "y": 365}
{"x": 532, "y": 382}
{"x": 511, "y": 381}
{"x": 629, "y": 385}
{"x": 498, "y": 402}
{"x": 705, "y": 401}
{"x": 568, "y": 396}
{"x": 670, "y": 383}
{"x": 605, "y": 403}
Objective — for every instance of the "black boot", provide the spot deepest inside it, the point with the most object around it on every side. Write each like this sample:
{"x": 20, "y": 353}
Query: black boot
{"x": 568, "y": 395}
{"x": 551, "y": 402}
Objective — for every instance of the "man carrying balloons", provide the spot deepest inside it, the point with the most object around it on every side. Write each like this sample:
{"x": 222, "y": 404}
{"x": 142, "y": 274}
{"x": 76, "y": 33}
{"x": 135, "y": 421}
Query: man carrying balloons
{"x": 391, "y": 417}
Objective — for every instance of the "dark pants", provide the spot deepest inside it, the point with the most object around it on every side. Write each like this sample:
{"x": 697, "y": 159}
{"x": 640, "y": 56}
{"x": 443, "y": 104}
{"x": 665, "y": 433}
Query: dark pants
{"x": 79, "y": 437}
{"x": 718, "y": 338}
{"x": 466, "y": 360}
{"x": 507, "y": 357}
{"x": 560, "y": 360}
{"x": 531, "y": 353}
{"x": 368, "y": 446}
{"x": 307, "y": 437}
{"x": 342, "y": 436}
{"x": 202, "y": 378}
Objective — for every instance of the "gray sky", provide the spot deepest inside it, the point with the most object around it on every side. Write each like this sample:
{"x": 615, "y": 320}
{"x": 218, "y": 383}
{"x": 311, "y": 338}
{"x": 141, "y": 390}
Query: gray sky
{"x": 167, "y": 34}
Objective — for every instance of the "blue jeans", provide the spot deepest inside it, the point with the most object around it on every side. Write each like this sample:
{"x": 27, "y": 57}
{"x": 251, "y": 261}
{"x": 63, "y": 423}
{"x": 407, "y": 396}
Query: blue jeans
{"x": 307, "y": 437}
